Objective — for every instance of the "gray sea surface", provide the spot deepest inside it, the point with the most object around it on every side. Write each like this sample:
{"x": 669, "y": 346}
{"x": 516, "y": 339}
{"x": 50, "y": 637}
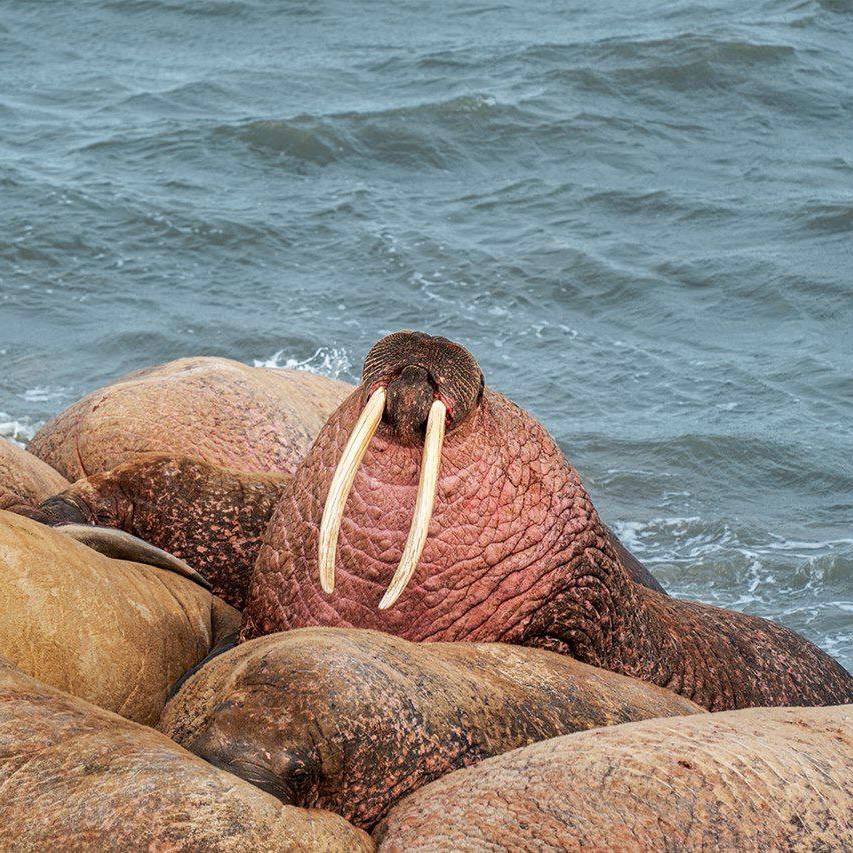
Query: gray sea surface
{"x": 638, "y": 216}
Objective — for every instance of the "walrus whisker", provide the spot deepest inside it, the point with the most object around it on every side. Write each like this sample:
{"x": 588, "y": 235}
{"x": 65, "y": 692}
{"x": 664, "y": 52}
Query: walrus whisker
{"x": 124, "y": 546}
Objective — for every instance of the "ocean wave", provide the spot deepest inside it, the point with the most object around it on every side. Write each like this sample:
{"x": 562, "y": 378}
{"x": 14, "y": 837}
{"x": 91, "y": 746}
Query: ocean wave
{"x": 679, "y": 206}
{"x": 193, "y": 8}
{"x": 732, "y": 462}
{"x": 804, "y": 584}
{"x": 18, "y": 430}
{"x": 46, "y": 394}
{"x": 834, "y": 218}
{"x": 422, "y": 136}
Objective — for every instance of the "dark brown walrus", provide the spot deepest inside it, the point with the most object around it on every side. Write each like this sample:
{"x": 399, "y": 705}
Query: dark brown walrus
{"x": 353, "y": 720}
{"x": 212, "y": 517}
{"x": 75, "y": 777}
{"x": 434, "y": 508}
{"x": 110, "y": 631}
{"x": 757, "y": 779}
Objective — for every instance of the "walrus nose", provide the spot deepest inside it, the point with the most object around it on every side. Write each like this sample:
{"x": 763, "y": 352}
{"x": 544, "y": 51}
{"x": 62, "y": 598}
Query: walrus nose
{"x": 408, "y": 404}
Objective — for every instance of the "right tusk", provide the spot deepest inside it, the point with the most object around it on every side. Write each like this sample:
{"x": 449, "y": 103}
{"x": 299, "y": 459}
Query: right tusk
{"x": 427, "y": 484}
{"x": 333, "y": 512}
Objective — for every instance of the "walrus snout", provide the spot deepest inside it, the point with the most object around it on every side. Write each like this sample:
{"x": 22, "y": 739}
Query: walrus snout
{"x": 59, "y": 510}
{"x": 410, "y": 397}
{"x": 417, "y": 369}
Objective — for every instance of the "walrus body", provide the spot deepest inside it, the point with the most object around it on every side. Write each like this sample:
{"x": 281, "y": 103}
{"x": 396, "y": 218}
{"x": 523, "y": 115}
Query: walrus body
{"x": 212, "y": 517}
{"x": 434, "y": 508}
{"x": 353, "y": 720}
{"x": 76, "y": 777}
{"x": 213, "y": 409}
{"x": 115, "y": 633}
{"x": 25, "y": 481}
{"x": 756, "y": 779}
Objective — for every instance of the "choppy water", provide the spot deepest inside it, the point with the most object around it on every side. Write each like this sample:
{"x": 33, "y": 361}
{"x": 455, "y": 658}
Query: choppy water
{"x": 639, "y": 216}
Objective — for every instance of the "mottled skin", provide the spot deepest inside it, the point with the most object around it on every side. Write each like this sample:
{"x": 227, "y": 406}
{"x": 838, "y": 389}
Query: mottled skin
{"x": 74, "y": 777}
{"x": 212, "y": 517}
{"x": 516, "y": 553}
{"x": 25, "y": 481}
{"x": 114, "y": 633}
{"x": 755, "y": 779}
{"x": 213, "y": 409}
{"x": 352, "y": 720}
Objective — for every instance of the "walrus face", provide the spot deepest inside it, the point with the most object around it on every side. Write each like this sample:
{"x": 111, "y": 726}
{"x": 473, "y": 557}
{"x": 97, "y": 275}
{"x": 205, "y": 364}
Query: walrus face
{"x": 263, "y": 749}
{"x": 429, "y": 506}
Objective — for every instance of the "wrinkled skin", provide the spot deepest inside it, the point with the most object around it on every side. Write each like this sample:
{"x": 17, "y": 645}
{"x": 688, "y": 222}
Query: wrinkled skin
{"x": 117, "y": 634}
{"x": 352, "y": 720}
{"x": 755, "y": 779}
{"x": 213, "y": 409}
{"x": 75, "y": 777}
{"x": 212, "y": 517}
{"x": 516, "y": 553}
{"x": 25, "y": 481}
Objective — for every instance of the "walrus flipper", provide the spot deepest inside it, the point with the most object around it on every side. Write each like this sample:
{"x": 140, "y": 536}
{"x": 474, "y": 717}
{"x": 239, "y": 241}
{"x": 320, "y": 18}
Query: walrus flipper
{"x": 125, "y": 546}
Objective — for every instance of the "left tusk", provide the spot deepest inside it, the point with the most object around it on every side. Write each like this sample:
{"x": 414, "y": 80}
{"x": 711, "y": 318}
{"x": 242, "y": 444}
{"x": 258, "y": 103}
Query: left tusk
{"x": 344, "y": 476}
{"x": 423, "y": 505}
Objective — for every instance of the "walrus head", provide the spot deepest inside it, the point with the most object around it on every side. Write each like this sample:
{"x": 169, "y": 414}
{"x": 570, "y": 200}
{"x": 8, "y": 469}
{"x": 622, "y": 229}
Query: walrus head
{"x": 429, "y": 506}
{"x": 414, "y": 389}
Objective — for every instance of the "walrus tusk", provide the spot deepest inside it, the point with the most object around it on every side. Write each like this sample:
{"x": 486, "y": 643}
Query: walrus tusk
{"x": 423, "y": 505}
{"x": 124, "y": 546}
{"x": 333, "y": 511}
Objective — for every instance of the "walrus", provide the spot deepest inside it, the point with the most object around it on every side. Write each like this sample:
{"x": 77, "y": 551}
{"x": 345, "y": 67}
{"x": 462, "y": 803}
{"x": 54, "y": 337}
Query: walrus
{"x": 76, "y": 777}
{"x": 754, "y": 779}
{"x": 25, "y": 481}
{"x": 211, "y": 517}
{"x": 213, "y": 409}
{"x": 353, "y": 720}
{"x": 434, "y": 508}
{"x": 116, "y": 633}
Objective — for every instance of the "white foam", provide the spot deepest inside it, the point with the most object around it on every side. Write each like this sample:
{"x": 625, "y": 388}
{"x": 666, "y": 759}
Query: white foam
{"x": 18, "y": 432}
{"x": 326, "y": 361}
{"x": 45, "y": 393}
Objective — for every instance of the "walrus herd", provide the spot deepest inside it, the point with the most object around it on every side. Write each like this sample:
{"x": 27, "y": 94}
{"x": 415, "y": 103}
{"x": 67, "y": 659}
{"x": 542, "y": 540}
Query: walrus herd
{"x": 256, "y": 609}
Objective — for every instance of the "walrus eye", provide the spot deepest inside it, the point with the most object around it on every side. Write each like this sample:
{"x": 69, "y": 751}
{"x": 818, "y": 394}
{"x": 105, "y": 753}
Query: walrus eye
{"x": 298, "y": 776}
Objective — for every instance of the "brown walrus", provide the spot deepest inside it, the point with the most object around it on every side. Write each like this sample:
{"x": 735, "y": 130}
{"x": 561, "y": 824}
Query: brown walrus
{"x": 25, "y": 481}
{"x": 213, "y": 409}
{"x": 352, "y": 720}
{"x": 76, "y": 777}
{"x": 756, "y": 779}
{"x": 434, "y": 508}
{"x": 212, "y": 517}
{"x": 113, "y": 632}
